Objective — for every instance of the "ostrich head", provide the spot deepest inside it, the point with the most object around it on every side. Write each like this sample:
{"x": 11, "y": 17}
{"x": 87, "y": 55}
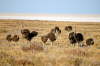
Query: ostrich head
{"x": 25, "y": 32}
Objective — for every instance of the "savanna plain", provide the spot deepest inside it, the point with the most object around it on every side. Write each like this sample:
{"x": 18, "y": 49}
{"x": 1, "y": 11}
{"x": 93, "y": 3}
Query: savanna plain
{"x": 62, "y": 53}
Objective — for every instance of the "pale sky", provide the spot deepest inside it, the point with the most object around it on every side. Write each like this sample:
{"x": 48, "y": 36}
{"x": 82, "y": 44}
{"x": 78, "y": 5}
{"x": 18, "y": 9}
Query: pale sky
{"x": 50, "y": 6}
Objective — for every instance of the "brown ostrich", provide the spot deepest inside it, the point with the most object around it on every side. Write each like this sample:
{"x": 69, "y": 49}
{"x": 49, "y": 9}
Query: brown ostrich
{"x": 44, "y": 38}
{"x": 25, "y": 33}
{"x": 14, "y": 38}
{"x": 9, "y": 38}
{"x": 68, "y": 28}
{"x": 51, "y": 35}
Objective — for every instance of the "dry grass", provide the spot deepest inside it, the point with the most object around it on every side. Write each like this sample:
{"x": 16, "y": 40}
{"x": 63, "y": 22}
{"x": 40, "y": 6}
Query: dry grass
{"x": 60, "y": 54}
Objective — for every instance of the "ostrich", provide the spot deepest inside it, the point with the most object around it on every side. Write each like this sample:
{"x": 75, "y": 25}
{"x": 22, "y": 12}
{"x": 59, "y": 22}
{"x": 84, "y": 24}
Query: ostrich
{"x": 89, "y": 41}
{"x": 68, "y": 28}
{"x": 56, "y": 30}
{"x": 28, "y": 35}
{"x": 25, "y": 33}
{"x": 9, "y": 38}
{"x": 51, "y": 35}
{"x": 75, "y": 38}
{"x": 44, "y": 38}
{"x": 14, "y": 38}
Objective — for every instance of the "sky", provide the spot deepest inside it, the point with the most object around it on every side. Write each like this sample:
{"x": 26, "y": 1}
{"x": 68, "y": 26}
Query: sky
{"x": 50, "y": 6}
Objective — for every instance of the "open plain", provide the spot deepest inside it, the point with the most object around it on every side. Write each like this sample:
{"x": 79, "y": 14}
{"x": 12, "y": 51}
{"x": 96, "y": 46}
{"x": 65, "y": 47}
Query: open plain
{"x": 62, "y": 53}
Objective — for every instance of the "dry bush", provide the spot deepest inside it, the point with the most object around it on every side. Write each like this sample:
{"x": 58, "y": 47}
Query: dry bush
{"x": 3, "y": 31}
{"x": 24, "y": 62}
{"x": 6, "y": 60}
{"x": 33, "y": 47}
{"x": 36, "y": 47}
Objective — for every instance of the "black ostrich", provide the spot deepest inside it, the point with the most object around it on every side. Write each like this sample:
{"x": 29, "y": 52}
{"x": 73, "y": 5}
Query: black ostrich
{"x": 28, "y": 35}
{"x": 75, "y": 38}
{"x": 68, "y": 28}
{"x": 90, "y": 41}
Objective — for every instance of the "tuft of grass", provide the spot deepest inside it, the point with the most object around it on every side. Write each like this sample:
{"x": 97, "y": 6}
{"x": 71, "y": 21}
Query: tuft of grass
{"x": 3, "y": 31}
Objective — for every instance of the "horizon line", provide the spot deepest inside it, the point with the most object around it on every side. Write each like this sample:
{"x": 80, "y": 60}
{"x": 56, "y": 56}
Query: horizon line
{"x": 53, "y": 17}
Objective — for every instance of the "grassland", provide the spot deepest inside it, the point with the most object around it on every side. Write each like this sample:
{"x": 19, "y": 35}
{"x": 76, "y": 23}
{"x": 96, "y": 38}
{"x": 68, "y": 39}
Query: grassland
{"x": 60, "y": 54}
